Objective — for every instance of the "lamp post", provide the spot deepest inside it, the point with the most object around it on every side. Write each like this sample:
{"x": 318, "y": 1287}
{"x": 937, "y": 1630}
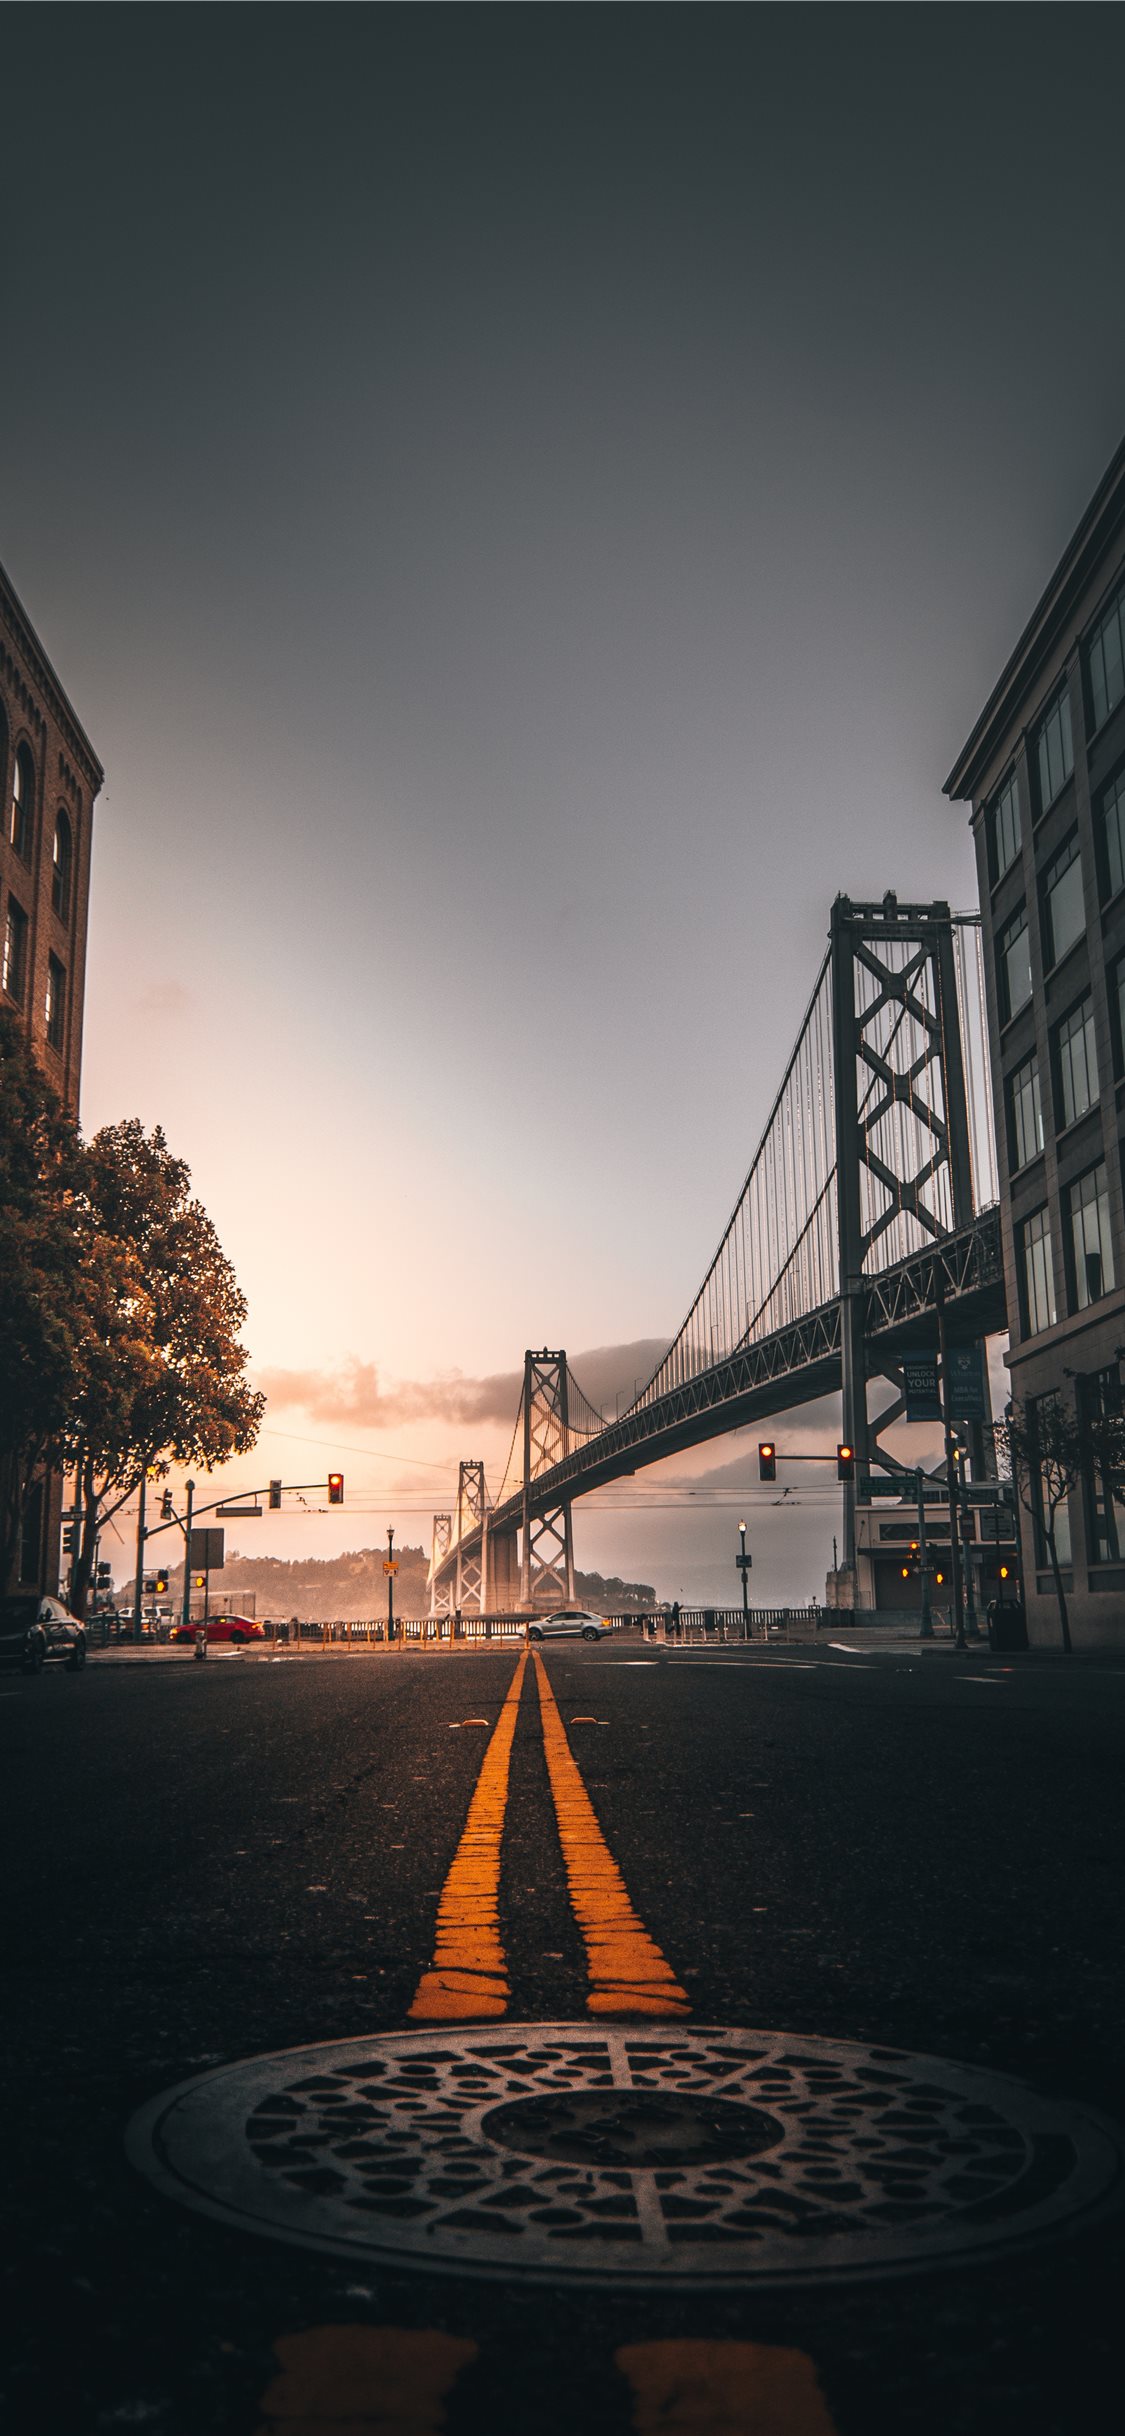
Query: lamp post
{"x": 744, "y": 1561}
{"x": 390, "y": 1582}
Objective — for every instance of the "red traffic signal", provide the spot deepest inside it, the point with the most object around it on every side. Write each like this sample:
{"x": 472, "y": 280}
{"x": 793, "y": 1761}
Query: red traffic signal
{"x": 845, "y": 1463}
{"x": 335, "y": 1488}
{"x": 767, "y": 1461}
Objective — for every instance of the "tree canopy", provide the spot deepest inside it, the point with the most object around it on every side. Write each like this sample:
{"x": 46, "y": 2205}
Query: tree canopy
{"x": 120, "y": 1313}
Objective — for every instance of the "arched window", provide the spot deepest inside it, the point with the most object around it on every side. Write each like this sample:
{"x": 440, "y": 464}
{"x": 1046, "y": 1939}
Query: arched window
{"x": 23, "y": 796}
{"x": 63, "y": 867}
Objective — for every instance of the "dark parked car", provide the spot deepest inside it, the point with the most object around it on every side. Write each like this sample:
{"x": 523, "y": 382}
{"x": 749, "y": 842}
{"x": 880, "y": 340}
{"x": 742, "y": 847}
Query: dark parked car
{"x": 33, "y": 1629}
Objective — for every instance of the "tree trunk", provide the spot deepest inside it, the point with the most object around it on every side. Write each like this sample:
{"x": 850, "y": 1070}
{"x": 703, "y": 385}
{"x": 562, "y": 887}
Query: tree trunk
{"x": 1060, "y": 1593}
{"x": 87, "y": 1498}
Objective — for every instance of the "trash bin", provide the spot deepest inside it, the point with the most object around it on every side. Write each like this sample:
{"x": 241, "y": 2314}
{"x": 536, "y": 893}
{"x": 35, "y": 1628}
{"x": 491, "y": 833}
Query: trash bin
{"x": 1007, "y": 1625}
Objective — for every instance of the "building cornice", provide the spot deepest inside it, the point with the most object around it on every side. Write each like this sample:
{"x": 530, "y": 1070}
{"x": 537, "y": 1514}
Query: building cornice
{"x": 39, "y": 668}
{"x": 1088, "y": 545}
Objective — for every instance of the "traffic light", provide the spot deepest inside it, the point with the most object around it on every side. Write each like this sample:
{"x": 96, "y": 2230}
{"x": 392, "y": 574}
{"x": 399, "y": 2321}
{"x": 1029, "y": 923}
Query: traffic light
{"x": 939, "y": 1579}
{"x": 906, "y": 1571}
{"x": 1005, "y": 1573}
{"x": 68, "y": 1540}
{"x": 199, "y": 1581}
{"x": 166, "y": 1514}
{"x": 767, "y": 1462}
{"x": 160, "y": 1586}
{"x": 335, "y": 1488}
{"x": 845, "y": 1463}
{"x": 275, "y": 1495}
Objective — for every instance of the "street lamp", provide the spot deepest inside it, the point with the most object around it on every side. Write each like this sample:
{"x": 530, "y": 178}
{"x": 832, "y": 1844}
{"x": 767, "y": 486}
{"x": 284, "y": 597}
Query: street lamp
{"x": 744, "y": 1561}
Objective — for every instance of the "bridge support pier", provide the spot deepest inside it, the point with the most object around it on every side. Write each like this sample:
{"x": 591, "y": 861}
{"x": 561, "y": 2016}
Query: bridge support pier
{"x": 441, "y": 1592}
{"x": 547, "y": 1569}
{"x": 503, "y": 1571}
{"x": 472, "y": 1566}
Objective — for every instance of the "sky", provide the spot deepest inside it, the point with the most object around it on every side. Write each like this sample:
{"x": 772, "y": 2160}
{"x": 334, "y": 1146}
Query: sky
{"x": 528, "y": 504}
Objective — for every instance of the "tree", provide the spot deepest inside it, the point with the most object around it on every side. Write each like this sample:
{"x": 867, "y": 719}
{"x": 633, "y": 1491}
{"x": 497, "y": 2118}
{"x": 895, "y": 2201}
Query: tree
{"x": 163, "y": 1372}
{"x": 39, "y": 1260}
{"x": 1053, "y": 1445}
{"x": 160, "y": 1370}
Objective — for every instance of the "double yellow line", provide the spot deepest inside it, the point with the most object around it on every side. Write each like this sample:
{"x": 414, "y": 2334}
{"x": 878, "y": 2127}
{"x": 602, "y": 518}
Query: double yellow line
{"x": 468, "y": 1979}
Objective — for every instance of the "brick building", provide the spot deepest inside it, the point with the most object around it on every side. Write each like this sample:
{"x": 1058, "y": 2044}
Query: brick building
{"x": 1044, "y": 770}
{"x": 49, "y": 777}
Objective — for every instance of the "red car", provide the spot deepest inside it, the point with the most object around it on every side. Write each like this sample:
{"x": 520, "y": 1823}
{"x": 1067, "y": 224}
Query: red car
{"x": 224, "y": 1628}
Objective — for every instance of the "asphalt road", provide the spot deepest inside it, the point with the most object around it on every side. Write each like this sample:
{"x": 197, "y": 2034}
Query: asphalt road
{"x": 914, "y": 1849}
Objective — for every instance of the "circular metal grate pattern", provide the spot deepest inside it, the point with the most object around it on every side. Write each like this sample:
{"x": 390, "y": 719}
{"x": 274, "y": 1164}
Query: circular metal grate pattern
{"x": 576, "y": 2152}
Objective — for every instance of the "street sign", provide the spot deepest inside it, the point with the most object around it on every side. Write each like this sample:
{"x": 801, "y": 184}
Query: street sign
{"x": 966, "y": 1383}
{"x": 236, "y": 1513}
{"x": 920, "y": 1383}
{"x": 388, "y": 1567}
{"x": 207, "y": 1552}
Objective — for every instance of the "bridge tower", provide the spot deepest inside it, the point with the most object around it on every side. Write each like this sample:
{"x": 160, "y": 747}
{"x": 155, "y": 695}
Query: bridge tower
{"x": 904, "y": 1167}
{"x": 472, "y": 1569}
{"x": 547, "y": 1570}
{"x": 441, "y": 1593}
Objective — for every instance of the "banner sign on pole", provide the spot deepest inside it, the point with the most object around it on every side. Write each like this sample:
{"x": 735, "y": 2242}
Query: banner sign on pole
{"x": 966, "y": 1383}
{"x": 920, "y": 1381}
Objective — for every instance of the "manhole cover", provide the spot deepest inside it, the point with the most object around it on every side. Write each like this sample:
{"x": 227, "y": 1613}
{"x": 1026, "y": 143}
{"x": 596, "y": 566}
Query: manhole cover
{"x": 575, "y": 2153}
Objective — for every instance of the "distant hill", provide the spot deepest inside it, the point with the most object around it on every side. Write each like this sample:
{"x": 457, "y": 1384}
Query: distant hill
{"x": 338, "y": 1589}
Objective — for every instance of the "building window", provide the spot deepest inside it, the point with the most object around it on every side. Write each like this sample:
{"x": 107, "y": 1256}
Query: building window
{"x": 1038, "y": 1273}
{"x": 1005, "y": 835}
{"x": 1055, "y": 746}
{"x": 23, "y": 797}
{"x": 1090, "y": 1239}
{"x": 1105, "y": 659}
{"x": 1064, "y": 907}
{"x": 1026, "y": 1110}
{"x": 1100, "y": 1400}
{"x": 1077, "y": 1057}
{"x": 63, "y": 867}
{"x": 1014, "y": 955}
{"x": 56, "y": 1002}
{"x": 14, "y": 972}
{"x": 1113, "y": 835}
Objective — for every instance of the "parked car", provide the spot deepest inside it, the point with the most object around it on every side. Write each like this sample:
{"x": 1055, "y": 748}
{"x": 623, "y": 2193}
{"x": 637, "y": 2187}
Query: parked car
{"x": 34, "y": 1628}
{"x": 575, "y": 1623}
{"x": 223, "y": 1628}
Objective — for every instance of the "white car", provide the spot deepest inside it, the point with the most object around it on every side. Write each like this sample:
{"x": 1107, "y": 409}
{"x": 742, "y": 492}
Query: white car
{"x": 573, "y": 1623}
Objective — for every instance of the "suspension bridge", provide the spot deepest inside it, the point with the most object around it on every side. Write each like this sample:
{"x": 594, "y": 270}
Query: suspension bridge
{"x": 868, "y": 1217}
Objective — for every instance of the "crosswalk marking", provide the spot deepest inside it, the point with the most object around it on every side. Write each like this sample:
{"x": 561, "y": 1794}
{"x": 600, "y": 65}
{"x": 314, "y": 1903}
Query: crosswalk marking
{"x": 700, "y": 2388}
{"x": 363, "y": 2381}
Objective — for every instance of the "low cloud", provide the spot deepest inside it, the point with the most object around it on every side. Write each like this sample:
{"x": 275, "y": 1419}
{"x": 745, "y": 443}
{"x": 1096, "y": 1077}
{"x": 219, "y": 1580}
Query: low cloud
{"x": 357, "y": 1395}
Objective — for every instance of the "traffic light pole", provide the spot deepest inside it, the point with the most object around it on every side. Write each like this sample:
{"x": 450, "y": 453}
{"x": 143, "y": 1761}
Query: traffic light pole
{"x": 138, "y": 1586}
{"x": 189, "y": 1494}
{"x": 927, "y": 1631}
{"x": 951, "y": 1476}
{"x": 743, "y": 1561}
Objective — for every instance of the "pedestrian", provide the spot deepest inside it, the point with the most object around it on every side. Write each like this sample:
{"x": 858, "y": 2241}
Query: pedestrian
{"x": 674, "y": 1620}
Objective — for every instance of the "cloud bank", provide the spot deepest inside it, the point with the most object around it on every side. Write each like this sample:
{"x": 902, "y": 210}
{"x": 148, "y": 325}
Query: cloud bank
{"x": 356, "y": 1395}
